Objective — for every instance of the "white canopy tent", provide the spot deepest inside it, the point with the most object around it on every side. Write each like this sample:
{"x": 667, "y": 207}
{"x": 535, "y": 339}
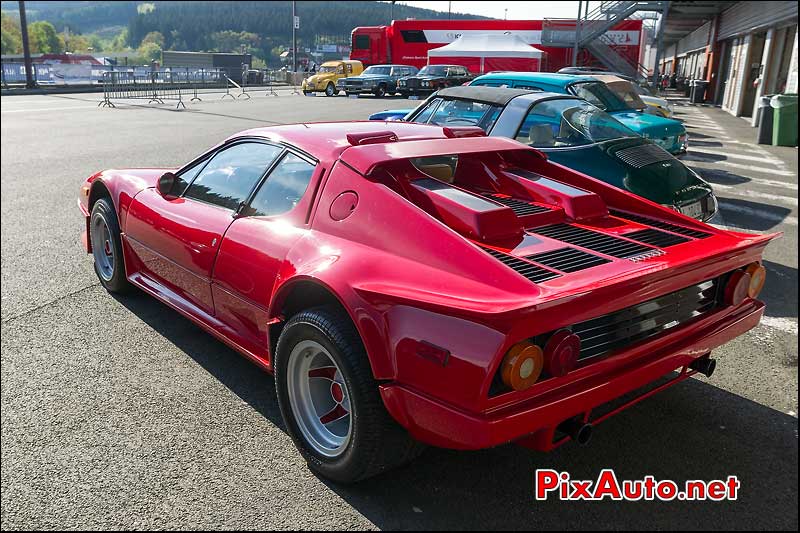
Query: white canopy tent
{"x": 482, "y": 53}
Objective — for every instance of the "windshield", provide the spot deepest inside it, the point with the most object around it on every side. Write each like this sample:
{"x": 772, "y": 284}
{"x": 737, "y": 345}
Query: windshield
{"x": 569, "y": 122}
{"x": 328, "y": 68}
{"x": 443, "y": 112}
{"x": 597, "y": 93}
{"x": 378, "y": 71}
{"x": 627, "y": 91}
{"x": 432, "y": 70}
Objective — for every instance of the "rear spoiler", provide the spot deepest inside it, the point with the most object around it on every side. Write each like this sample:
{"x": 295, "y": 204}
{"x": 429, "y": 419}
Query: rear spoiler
{"x": 365, "y": 157}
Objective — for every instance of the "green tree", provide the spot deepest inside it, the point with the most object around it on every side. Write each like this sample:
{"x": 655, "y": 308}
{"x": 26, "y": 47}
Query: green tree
{"x": 232, "y": 41}
{"x": 44, "y": 38}
{"x": 149, "y": 52}
{"x": 120, "y": 42}
{"x": 154, "y": 37}
{"x": 75, "y": 43}
{"x": 11, "y": 35}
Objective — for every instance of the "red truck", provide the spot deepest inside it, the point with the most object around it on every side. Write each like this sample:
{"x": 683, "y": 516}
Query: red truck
{"x": 407, "y": 42}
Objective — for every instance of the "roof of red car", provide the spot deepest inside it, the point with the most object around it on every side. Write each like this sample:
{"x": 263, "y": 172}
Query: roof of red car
{"x": 327, "y": 140}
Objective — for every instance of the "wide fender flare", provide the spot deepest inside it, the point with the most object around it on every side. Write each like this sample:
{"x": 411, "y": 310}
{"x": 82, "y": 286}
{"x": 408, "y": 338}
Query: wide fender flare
{"x": 368, "y": 321}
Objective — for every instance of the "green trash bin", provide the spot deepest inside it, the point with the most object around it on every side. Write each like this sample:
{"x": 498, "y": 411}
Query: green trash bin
{"x": 784, "y": 122}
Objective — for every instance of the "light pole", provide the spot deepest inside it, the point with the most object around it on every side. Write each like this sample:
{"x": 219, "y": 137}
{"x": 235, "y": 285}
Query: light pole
{"x": 294, "y": 37}
{"x": 577, "y": 34}
{"x": 505, "y": 14}
{"x": 26, "y": 49}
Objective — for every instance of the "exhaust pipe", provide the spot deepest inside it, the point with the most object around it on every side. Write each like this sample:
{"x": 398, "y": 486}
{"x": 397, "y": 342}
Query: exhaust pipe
{"x": 704, "y": 365}
{"x": 577, "y": 429}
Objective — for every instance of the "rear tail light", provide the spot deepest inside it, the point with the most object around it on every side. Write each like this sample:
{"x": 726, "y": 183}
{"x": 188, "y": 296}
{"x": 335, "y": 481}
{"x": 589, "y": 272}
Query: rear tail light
{"x": 758, "y": 275}
{"x": 561, "y": 353}
{"x": 737, "y": 288}
{"x": 522, "y": 365}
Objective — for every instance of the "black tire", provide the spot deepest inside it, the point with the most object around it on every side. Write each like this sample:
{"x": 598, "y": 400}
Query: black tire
{"x": 377, "y": 442}
{"x": 347, "y": 94}
{"x": 330, "y": 90}
{"x": 306, "y": 93}
{"x": 103, "y": 209}
{"x": 404, "y": 94}
{"x": 380, "y": 92}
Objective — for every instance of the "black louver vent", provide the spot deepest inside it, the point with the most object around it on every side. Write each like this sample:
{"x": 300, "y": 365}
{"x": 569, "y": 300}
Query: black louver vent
{"x": 643, "y": 155}
{"x": 568, "y": 259}
{"x": 598, "y": 242}
{"x": 674, "y": 228}
{"x": 624, "y": 327}
{"x": 520, "y": 207}
{"x": 533, "y": 272}
{"x": 655, "y": 237}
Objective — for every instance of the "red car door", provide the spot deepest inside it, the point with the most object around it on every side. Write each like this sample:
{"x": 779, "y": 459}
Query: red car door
{"x": 176, "y": 239}
{"x": 255, "y": 249}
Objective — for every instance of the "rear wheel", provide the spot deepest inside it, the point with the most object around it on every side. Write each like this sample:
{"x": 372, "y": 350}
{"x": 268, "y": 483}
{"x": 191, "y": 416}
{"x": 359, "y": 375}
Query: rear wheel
{"x": 104, "y": 234}
{"x": 330, "y": 90}
{"x": 380, "y": 92}
{"x": 330, "y": 402}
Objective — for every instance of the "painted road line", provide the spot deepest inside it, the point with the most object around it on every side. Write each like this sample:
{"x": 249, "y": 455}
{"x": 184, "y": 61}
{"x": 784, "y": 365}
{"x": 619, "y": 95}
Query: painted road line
{"x": 752, "y": 168}
{"x": 758, "y": 213}
{"x": 30, "y": 110}
{"x": 787, "y": 325}
{"x": 710, "y": 174}
{"x": 749, "y": 193}
{"x": 769, "y": 159}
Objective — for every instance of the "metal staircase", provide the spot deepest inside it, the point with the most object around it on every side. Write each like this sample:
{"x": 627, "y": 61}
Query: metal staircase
{"x": 591, "y": 33}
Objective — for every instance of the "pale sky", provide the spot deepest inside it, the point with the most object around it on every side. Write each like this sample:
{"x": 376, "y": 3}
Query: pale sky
{"x": 531, "y": 10}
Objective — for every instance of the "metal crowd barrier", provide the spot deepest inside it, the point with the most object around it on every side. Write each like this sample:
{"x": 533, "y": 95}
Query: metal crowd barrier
{"x": 178, "y": 84}
{"x": 158, "y": 86}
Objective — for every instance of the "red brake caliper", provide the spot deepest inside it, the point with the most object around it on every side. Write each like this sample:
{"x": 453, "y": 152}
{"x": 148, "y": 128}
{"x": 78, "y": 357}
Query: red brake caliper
{"x": 337, "y": 393}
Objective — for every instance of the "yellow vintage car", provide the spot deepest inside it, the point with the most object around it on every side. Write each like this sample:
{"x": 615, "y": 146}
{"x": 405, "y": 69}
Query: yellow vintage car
{"x": 331, "y": 71}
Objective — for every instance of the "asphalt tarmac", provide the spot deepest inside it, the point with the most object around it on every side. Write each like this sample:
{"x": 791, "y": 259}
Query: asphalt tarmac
{"x": 119, "y": 413}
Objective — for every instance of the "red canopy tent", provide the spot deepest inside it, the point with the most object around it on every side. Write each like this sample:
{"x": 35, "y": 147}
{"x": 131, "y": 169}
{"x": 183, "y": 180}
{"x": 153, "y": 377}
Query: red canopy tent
{"x": 485, "y": 53}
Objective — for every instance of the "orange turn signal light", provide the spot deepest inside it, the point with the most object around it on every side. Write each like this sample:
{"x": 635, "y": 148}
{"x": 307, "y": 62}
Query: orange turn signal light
{"x": 758, "y": 275}
{"x": 522, "y": 365}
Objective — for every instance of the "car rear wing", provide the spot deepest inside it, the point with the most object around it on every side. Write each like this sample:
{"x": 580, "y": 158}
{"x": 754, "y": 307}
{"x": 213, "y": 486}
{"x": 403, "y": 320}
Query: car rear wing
{"x": 364, "y": 158}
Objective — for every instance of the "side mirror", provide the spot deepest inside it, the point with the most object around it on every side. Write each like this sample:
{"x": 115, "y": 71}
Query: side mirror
{"x": 166, "y": 184}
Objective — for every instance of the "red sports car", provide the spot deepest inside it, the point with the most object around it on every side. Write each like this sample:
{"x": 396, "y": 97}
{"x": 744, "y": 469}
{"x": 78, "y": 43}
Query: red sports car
{"x": 411, "y": 284}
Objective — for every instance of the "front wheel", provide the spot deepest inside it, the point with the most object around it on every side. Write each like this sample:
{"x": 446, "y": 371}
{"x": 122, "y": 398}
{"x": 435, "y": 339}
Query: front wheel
{"x": 105, "y": 236}
{"x": 330, "y": 90}
{"x": 330, "y": 402}
{"x": 380, "y": 92}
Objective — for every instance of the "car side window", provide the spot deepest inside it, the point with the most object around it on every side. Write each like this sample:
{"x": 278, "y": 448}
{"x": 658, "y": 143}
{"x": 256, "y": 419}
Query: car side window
{"x": 186, "y": 177}
{"x": 426, "y": 113}
{"x": 283, "y": 189}
{"x": 231, "y": 174}
{"x": 493, "y": 83}
{"x": 525, "y": 85}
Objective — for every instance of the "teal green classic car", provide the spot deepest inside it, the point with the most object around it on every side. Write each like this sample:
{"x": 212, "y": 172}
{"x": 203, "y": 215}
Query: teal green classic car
{"x": 669, "y": 134}
{"x": 573, "y": 133}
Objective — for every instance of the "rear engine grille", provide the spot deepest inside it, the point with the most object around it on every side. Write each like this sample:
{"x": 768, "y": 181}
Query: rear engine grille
{"x": 655, "y": 237}
{"x": 674, "y": 228}
{"x": 568, "y": 259}
{"x": 643, "y": 155}
{"x": 598, "y": 242}
{"x": 520, "y": 207}
{"x": 533, "y": 272}
{"x": 624, "y": 327}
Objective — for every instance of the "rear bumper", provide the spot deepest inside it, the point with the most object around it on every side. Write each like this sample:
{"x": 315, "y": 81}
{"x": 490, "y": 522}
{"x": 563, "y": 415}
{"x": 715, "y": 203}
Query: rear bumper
{"x": 435, "y": 423}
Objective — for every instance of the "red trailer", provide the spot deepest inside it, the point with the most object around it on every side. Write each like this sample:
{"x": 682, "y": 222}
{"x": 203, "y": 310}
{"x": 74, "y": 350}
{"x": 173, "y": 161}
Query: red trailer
{"x": 408, "y": 41}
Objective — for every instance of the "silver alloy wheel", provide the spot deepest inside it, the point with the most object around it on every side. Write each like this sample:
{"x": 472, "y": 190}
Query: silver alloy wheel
{"x": 319, "y": 398}
{"x": 102, "y": 247}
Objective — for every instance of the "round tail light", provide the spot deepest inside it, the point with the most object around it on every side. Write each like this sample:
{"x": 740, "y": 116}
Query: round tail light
{"x": 737, "y": 288}
{"x": 561, "y": 352}
{"x": 758, "y": 275}
{"x": 522, "y": 365}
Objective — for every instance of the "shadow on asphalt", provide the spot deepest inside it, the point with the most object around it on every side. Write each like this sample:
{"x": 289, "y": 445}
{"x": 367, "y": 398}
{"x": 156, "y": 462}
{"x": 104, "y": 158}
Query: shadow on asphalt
{"x": 748, "y": 214}
{"x": 691, "y": 431}
{"x": 721, "y": 177}
{"x": 780, "y": 290}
